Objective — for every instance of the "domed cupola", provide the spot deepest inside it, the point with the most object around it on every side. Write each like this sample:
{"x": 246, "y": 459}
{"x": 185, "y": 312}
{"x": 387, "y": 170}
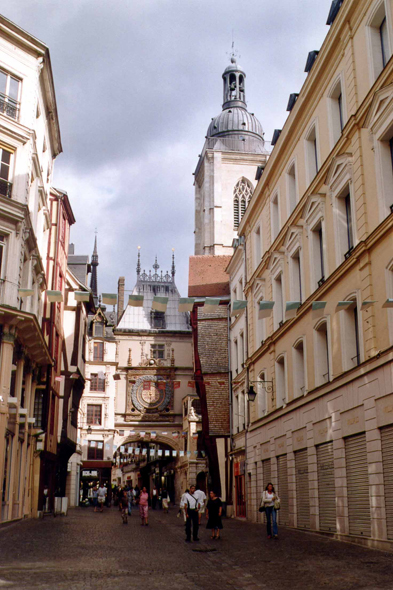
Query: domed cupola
{"x": 235, "y": 129}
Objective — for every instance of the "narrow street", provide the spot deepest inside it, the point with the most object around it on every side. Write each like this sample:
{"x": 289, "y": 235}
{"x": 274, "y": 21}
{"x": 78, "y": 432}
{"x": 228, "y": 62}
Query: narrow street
{"x": 86, "y": 550}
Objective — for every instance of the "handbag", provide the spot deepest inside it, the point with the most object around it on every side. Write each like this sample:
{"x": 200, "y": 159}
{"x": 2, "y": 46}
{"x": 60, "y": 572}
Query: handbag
{"x": 277, "y": 504}
{"x": 261, "y": 509}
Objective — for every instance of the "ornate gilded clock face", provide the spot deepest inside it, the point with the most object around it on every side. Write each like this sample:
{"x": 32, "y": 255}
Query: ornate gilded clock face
{"x": 151, "y": 393}
{"x": 151, "y": 397}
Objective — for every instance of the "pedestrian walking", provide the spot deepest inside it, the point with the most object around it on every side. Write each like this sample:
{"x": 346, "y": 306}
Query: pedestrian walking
{"x": 123, "y": 503}
{"x": 101, "y": 497}
{"x": 95, "y": 498}
{"x": 165, "y": 501}
{"x": 154, "y": 495}
{"x": 201, "y": 496}
{"x": 270, "y": 503}
{"x": 191, "y": 507}
{"x": 213, "y": 514}
{"x": 143, "y": 500}
{"x": 130, "y": 498}
{"x": 181, "y": 506}
{"x": 159, "y": 499}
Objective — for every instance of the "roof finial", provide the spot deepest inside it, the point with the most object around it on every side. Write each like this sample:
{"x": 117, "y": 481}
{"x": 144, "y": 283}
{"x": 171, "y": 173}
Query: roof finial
{"x": 233, "y": 53}
{"x": 173, "y": 264}
{"x": 138, "y": 264}
{"x": 156, "y": 266}
{"x": 94, "y": 264}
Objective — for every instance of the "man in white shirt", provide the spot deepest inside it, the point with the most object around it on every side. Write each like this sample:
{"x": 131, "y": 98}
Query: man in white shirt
{"x": 191, "y": 508}
{"x": 201, "y": 497}
{"x": 101, "y": 497}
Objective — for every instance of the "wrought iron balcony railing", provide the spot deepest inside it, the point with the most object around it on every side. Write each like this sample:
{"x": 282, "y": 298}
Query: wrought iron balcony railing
{"x": 5, "y": 188}
{"x": 9, "y": 106}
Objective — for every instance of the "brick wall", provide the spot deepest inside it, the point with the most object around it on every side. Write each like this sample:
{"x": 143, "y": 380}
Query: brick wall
{"x": 213, "y": 353}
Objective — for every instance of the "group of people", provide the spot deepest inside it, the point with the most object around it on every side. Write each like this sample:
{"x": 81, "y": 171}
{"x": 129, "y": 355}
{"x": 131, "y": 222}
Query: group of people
{"x": 99, "y": 496}
{"x": 193, "y": 504}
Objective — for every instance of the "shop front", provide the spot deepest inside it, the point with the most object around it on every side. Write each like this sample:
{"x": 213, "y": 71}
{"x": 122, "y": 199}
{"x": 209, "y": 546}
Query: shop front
{"x": 240, "y": 487}
{"x": 95, "y": 473}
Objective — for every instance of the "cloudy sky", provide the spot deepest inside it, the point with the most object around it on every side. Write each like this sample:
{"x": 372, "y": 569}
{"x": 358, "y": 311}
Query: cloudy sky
{"x": 137, "y": 83}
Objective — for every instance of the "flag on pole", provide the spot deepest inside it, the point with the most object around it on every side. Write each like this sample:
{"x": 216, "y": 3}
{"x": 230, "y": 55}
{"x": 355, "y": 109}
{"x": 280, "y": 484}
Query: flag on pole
{"x": 167, "y": 453}
{"x": 54, "y": 296}
{"x": 144, "y": 451}
{"x": 318, "y": 308}
{"x": 160, "y": 303}
{"x": 186, "y": 304}
{"x": 265, "y": 309}
{"x": 291, "y": 308}
{"x": 176, "y": 384}
{"x": 142, "y": 434}
{"x": 175, "y": 434}
{"x": 366, "y": 304}
{"x": 135, "y": 300}
{"x": 81, "y": 295}
{"x": 238, "y": 307}
{"x": 194, "y": 435}
{"x": 211, "y": 304}
{"x": 109, "y": 298}
{"x": 161, "y": 384}
{"x": 25, "y": 292}
{"x": 181, "y": 453}
{"x": 342, "y": 305}
{"x": 174, "y": 453}
{"x": 388, "y": 303}
{"x": 160, "y": 452}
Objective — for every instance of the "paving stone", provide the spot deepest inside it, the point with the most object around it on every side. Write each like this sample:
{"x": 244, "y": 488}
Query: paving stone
{"x": 87, "y": 550}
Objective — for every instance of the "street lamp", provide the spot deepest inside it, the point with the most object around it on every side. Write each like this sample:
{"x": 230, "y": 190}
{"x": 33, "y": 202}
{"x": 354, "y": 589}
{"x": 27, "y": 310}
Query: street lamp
{"x": 252, "y": 394}
{"x": 89, "y": 429}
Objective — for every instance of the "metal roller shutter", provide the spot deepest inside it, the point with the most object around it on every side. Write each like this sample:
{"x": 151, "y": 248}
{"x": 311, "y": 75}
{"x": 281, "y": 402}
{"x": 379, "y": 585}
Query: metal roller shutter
{"x": 387, "y": 462}
{"x": 283, "y": 514}
{"x": 358, "y": 485}
{"x": 266, "y": 477}
{"x": 326, "y": 488}
{"x": 266, "y": 473}
{"x": 302, "y": 489}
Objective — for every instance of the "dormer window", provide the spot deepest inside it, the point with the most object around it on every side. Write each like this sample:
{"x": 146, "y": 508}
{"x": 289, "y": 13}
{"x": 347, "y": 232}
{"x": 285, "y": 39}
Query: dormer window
{"x": 98, "y": 328}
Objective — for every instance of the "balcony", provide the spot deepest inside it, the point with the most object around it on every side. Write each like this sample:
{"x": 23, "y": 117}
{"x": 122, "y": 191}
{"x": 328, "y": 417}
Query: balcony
{"x": 9, "y": 106}
{"x": 5, "y": 188}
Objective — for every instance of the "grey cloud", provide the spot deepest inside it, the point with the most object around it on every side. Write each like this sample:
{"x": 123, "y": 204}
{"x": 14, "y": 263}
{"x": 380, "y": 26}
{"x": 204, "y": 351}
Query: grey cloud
{"x": 137, "y": 83}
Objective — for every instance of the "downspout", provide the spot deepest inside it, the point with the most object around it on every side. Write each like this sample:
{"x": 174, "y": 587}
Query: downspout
{"x": 230, "y": 470}
{"x": 247, "y": 380}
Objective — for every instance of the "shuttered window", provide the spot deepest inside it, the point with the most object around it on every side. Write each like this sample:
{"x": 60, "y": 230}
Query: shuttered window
{"x": 387, "y": 461}
{"x": 283, "y": 489}
{"x": 357, "y": 485}
{"x": 326, "y": 488}
{"x": 302, "y": 489}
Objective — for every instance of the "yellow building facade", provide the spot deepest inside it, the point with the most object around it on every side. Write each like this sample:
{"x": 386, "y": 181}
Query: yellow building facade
{"x": 317, "y": 241}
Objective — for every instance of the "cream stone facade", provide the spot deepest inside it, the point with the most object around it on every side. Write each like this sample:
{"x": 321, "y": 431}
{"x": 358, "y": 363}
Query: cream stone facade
{"x": 318, "y": 243}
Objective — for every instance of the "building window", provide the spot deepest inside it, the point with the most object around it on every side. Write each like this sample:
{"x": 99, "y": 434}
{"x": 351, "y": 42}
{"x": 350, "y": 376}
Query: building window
{"x": 158, "y": 320}
{"x": 378, "y": 41}
{"x": 299, "y": 369}
{"x": 235, "y": 357}
{"x": 278, "y": 309}
{"x": 336, "y": 112}
{"x": 242, "y": 413}
{"x": 275, "y": 216}
{"x": 97, "y": 382}
{"x": 281, "y": 386}
{"x": 261, "y": 395}
{"x": 318, "y": 255}
{"x": 2, "y": 255}
{"x": 98, "y": 351}
{"x": 235, "y": 413}
{"x": 312, "y": 160}
{"x": 9, "y": 95}
{"x": 291, "y": 188}
{"x": 322, "y": 371}
{"x": 5, "y": 173}
{"x": 257, "y": 246}
{"x": 157, "y": 351}
{"x": 95, "y": 450}
{"x": 260, "y": 326}
{"x": 350, "y": 336}
{"x": 389, "y": 293}
{"x": 348, "y": 221}
{"x": 98, "y": 328}
{"x": 94, "y": 414}
{"x": 240, "y": 290}
{"x": 344, "y": 224}
{"x": 242, "y": 194}
{"x": 296, "y": 276}
{"x": 38, "y": 407}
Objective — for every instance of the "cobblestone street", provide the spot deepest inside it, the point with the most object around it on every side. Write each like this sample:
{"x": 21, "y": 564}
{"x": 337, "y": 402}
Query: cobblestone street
{"x": 86, "y": 550}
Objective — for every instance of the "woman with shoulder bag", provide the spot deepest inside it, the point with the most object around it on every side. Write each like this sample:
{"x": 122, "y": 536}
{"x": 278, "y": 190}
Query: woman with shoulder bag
{"x": 270, "y": 503}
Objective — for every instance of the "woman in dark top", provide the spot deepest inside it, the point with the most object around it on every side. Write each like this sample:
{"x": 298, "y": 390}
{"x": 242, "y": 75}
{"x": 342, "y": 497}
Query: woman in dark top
{"x": 213, "y": 514}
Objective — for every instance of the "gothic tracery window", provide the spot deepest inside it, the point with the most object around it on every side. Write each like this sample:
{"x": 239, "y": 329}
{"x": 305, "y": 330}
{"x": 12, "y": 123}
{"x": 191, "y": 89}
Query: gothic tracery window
{"x": 242, "y": 194}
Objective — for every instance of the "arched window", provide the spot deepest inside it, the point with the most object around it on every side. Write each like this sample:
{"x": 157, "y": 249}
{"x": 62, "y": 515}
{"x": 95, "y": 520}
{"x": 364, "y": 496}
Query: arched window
{"x": 242, "y": 194}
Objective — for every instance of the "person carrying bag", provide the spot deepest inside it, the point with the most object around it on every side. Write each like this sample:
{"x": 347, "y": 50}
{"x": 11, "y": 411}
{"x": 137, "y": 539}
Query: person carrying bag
{"x": 270, "y": 503}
